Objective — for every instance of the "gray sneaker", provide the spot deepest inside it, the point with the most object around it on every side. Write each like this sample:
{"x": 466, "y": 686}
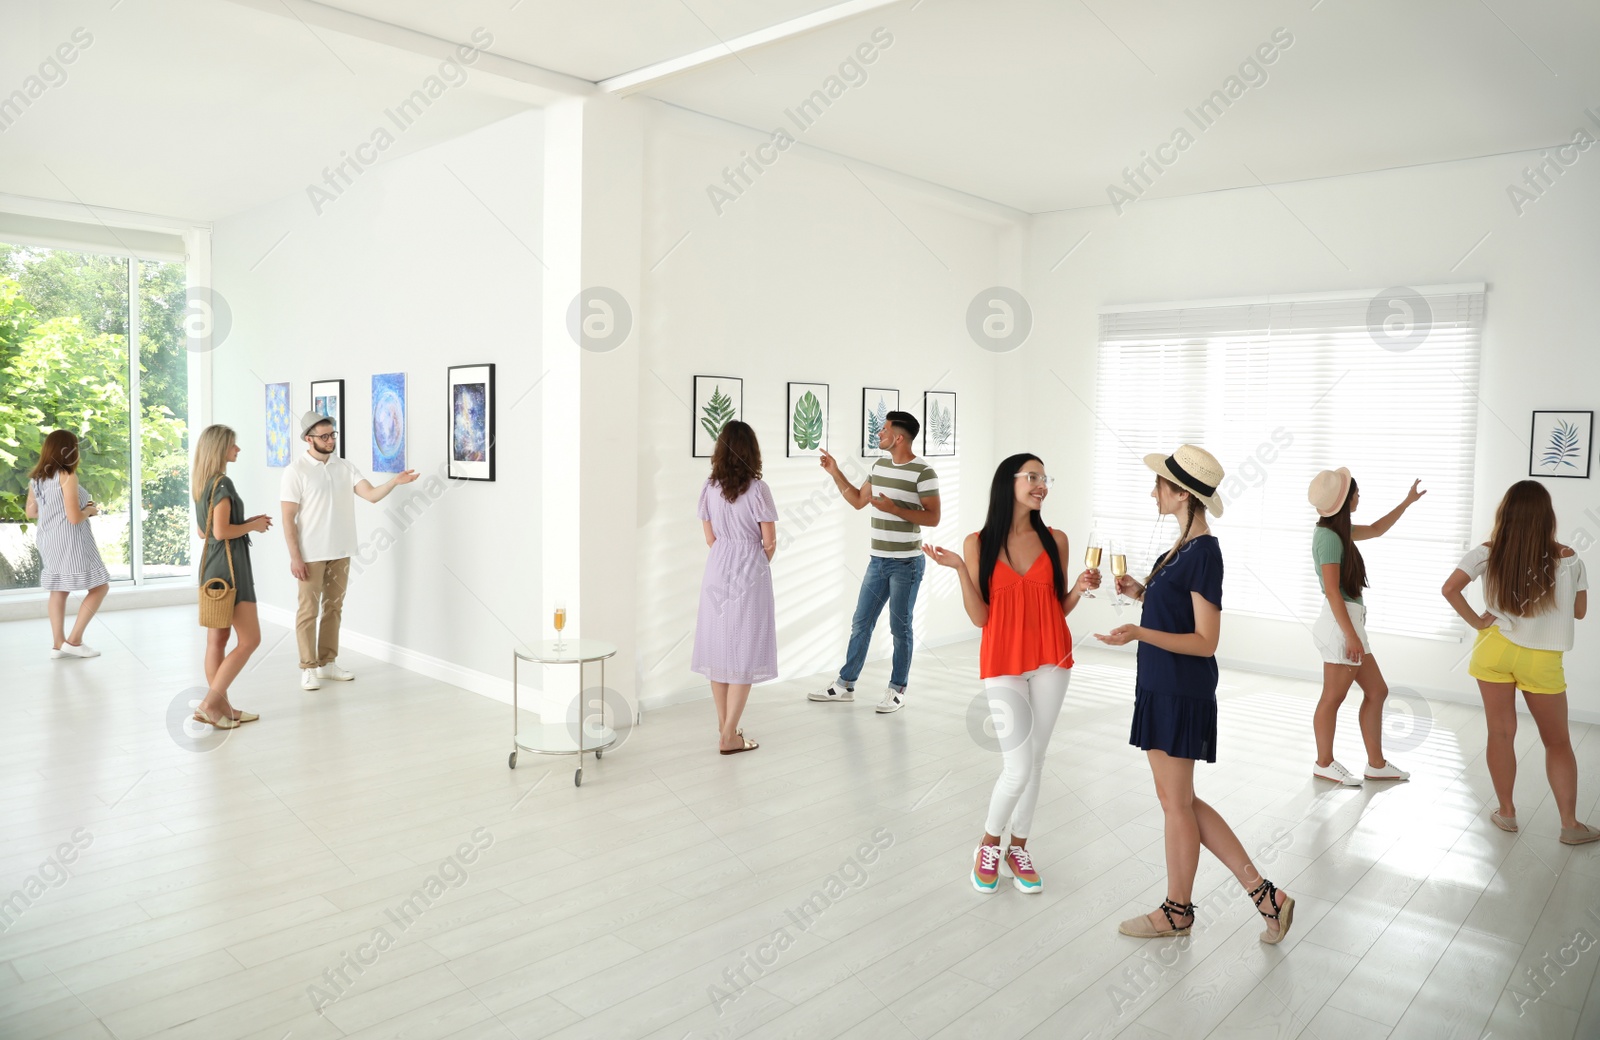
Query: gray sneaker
{"x": 834, "y": 692}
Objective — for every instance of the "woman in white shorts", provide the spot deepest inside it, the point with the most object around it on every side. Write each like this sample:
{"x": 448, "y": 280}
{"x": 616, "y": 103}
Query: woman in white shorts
{"x": 1341, "y": 631}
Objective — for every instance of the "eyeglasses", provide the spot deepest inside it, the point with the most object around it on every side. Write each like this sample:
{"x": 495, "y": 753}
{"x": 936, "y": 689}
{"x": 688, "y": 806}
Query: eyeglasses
{"x": 1037, "y": 479}
{"x": 323, "y": 436}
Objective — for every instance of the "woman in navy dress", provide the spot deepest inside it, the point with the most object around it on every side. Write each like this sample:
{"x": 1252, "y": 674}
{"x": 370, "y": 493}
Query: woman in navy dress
{"x": 1175, "y": 703}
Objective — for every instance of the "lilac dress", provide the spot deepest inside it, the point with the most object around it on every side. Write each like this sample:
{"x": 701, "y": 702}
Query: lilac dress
{"x": 736, "y": 634}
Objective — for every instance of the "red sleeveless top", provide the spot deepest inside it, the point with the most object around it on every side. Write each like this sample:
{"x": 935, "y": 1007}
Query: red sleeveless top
{"x": 1026, "y": 629}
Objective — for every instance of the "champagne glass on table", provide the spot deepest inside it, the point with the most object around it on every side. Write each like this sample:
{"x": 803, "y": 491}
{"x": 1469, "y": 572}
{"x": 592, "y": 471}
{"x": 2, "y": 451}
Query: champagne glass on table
{"x": 1091, "y": 561}
{"x": 561, "y": 623}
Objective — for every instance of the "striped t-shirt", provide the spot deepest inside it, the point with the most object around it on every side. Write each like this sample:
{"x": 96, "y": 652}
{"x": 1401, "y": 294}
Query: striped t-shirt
{"x": 907, "y": 484}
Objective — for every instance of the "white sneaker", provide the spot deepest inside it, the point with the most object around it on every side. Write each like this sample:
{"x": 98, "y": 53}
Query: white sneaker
{"x": 1337, "y": 773}
{"x": 331, "y": 670}
{"x": 81, "y": 650}
{"x": 834, "y": 692}
{"x": 893, "y": 700}
{"x": 1388, "y": 771}
{"x": 308, "y": 679}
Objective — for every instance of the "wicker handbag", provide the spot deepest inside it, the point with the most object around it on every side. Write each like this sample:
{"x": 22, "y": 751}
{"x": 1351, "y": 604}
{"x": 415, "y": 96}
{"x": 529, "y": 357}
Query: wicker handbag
{"x": 216, "y": 596}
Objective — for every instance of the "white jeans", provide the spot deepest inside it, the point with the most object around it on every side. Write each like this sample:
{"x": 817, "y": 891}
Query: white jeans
{"x": 1024, "y": 709}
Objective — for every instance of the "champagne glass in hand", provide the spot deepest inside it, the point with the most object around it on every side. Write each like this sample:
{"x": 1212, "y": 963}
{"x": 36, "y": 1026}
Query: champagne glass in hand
{"x": 1091, "y": 560}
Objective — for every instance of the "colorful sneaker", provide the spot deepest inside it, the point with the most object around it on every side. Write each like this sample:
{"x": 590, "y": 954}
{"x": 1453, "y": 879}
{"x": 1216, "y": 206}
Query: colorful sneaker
{"x": 986, "y": 869}
{"x": 1387, "y": 771}
{"x": 1018, "y": 866}
{"x": 893, "y": 700}
{"x": 834, "y": 692}
{"x": 1337, "y": 773}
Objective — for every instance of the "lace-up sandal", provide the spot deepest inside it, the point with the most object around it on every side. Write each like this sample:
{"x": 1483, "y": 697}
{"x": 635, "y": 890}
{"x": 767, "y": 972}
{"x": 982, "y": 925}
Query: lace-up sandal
{"x": 1141, "y": 928}
{"x": 1284, "y": 914}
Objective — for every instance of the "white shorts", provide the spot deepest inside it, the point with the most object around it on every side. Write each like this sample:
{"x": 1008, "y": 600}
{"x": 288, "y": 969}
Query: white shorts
{"x": 1330, "y": 639}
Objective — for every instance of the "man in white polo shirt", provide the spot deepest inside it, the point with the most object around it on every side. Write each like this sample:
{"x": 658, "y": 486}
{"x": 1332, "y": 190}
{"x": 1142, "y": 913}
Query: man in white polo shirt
{"x": 319, "y": 523}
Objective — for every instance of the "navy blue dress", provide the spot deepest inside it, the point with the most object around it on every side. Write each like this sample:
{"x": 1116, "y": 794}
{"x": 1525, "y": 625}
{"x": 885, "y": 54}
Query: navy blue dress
{"x": 1175, "y": 695}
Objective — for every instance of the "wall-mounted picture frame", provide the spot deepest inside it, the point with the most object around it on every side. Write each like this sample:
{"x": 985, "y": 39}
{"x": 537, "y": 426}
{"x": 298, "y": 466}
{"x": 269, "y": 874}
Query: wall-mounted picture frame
{"x": 280, "y": 425}
{"x": 389, "y": 423}
{"x": 876, "y": 403}
{"x": 806, "y": 421}
{"x": 327, "y": 398}
{"x": 1562, "y": 444}
{"x": 717, "y": 401}
{"x": 469, "y": 434}
{"x": 938, "y": 423}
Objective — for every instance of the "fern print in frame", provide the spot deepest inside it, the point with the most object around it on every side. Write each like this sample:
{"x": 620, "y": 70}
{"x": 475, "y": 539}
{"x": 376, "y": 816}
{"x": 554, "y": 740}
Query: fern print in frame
{"x": 807, "y": 420}
{"x": 938, "y": 423}
{"x": 1561, "y": 444}
{"x": 718, "y": 400}
{"x": 876, "y": 404}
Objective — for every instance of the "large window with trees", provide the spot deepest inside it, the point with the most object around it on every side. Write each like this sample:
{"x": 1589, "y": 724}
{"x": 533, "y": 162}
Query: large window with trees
{"x": 94, "y": 343}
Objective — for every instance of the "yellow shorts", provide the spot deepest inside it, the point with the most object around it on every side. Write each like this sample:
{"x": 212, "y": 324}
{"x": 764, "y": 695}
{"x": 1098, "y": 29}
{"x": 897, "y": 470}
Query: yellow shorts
{"x": 1497, "y": 659}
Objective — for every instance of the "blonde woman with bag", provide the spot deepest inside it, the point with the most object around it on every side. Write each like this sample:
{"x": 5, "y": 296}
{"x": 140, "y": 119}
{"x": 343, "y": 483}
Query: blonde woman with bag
{"x": 227, "y": 584}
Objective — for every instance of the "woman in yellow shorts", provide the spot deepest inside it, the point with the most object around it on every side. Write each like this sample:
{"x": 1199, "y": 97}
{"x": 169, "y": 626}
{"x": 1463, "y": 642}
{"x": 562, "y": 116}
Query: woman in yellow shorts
{"x": 1534, "y": 588}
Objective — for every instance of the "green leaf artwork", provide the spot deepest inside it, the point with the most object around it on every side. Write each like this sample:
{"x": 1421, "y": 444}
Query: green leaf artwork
{"x": 716, "y": 413}
{"x": 875, "y": 420}
{"x": 808, "y": 422}
{"x": 941, "y": 427}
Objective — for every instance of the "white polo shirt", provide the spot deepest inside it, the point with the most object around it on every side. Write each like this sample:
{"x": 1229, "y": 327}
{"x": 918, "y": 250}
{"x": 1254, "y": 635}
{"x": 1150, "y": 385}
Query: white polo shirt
{"x": 325, "y": 492}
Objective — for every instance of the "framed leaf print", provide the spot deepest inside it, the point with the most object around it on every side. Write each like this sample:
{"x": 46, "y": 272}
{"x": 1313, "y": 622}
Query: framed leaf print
{"x": 1562, "y": 444}
{"x": 470, "y": 412}
{"x": 717, "y": 400}
{"x": 327, "y": 398}
{"x": 876, "y": 404}
{"x": 807, "y": 420}
{"x": 938, "y": 423}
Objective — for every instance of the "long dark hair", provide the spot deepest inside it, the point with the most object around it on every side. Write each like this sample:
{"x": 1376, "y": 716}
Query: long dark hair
{"x": 58, "y": 453}
{"x": 997, "y": 526}
{"x": 1523, "y": 553}
{"x": 1353, "y": 571}
{"x": 1195, "y": 508}
{"x": 736, "y": 460}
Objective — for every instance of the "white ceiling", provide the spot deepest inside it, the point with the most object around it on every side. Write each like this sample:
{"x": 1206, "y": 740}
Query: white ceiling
{"x": 202, "y": 108}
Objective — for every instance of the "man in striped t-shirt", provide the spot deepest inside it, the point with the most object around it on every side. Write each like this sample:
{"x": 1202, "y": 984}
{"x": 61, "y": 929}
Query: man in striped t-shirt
{"x": 903, "y": 492}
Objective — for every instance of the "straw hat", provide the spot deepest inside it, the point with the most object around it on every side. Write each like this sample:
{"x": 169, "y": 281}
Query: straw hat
{"x": 1195, "y": 470}
{"x": 1328, "y": 491}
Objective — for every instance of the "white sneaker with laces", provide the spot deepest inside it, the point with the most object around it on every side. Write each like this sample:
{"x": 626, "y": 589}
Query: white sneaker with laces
{"x": 81, "y": 650}
{"x": 308, "y": 679}
{"x": 331, "y": 670}
{"x": 1337, "y": 773}
{"x": 893, "y": 700}
{"x": 834, "y": 692}
{"x": 1387, "y": 771}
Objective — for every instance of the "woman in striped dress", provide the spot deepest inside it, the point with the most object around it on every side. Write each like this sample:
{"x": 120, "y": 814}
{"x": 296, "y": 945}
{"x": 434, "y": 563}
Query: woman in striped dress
{"x": 71, "y": 561}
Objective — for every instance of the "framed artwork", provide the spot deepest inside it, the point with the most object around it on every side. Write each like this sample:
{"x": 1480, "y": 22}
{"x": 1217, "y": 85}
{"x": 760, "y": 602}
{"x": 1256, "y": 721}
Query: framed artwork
{"x": 717, "y": 399}
{"x": 389, "y": 423}
{"x": 938, "y": 423}
{"x": 280, "y": 424}
{"x": 807, "y": 420}
{"x": 1562, "y": 444}
{"x": 876, "y": 404}
{"x": 327, "y": 398}
{"x": 471, "y": 409}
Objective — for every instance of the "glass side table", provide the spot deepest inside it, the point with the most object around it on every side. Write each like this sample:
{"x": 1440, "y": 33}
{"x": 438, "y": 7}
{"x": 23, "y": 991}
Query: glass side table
{"x": 558, "y": 738}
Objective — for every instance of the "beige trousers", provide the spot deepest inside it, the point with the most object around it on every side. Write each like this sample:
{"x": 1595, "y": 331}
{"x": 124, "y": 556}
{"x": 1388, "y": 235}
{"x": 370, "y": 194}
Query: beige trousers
{"x": 324, "y": 586}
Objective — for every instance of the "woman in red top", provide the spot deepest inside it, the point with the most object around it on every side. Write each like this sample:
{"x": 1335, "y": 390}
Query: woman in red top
{"x": 1013, "y": 588}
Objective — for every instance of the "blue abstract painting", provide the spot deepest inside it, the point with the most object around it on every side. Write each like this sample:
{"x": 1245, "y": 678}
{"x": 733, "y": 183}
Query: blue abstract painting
{"x": 278, "y": 424}
{"x": 470, "y": 441}
{"x": 389, "y": 423}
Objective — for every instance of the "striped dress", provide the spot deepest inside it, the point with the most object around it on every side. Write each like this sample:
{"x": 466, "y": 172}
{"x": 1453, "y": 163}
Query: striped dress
{"x": 907, "y": 484}
{"x": 71, "y": 560}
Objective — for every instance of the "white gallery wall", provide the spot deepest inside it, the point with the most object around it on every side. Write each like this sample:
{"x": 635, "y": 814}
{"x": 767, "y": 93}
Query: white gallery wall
{"x": 821, "y": 270}
{"x": 421, "y": 263}
{"x": 1413, "y": 226}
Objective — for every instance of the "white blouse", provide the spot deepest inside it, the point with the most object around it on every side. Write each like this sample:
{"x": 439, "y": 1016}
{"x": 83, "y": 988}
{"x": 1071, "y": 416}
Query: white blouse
{"x": 1551, "y": 630}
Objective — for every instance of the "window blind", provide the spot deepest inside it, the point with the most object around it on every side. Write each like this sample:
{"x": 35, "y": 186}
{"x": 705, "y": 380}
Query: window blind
{"x": 1278, "y": 390}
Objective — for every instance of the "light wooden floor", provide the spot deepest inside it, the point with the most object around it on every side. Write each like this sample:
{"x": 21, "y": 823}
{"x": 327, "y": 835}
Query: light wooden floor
{"x": 221, "y": 886}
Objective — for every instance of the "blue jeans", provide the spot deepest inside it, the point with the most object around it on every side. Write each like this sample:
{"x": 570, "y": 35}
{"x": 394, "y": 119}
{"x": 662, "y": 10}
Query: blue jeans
{"x": 888, "y": 581}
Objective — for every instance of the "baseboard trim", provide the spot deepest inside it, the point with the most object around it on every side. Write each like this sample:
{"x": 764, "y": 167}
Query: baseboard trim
{"x": 491, "y": 686}
{"x": 26, "y": 606}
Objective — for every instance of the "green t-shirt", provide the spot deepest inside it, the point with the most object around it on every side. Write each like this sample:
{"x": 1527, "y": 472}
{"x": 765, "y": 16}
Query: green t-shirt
{"x": 1327, "y": 548}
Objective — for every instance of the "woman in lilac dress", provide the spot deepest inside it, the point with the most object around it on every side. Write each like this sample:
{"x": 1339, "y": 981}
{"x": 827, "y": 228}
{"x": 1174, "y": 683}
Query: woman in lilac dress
{"x": 736, "y": 635}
